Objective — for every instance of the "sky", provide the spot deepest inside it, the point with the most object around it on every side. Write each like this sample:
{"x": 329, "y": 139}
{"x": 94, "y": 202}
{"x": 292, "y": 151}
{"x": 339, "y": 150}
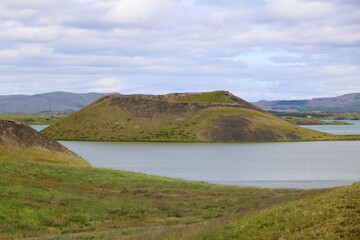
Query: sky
{"x": 259, "y": 49}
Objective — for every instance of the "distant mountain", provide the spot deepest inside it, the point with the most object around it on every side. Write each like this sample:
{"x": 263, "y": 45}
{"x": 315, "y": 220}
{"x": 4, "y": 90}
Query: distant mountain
{"x": 47, "y": 102}
{"x": 345, "y": 103}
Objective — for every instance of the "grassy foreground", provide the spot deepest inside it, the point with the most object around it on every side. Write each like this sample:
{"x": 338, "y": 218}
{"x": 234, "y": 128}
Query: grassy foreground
{"x": 333, "y": 215}
{"x": 72, "y": 202}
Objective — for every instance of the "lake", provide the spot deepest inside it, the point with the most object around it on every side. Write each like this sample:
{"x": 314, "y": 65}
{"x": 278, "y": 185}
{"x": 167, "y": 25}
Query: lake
{"x": 337, "y": 129}
{"x": 302, "y": 165}
{"x": 39, "y": 127}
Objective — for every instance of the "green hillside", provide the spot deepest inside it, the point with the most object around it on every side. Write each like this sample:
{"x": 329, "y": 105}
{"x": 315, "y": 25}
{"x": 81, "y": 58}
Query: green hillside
{"x": 333, "y": 215}
{"x": 21, "y": 142}
{"x": 188, "y": 117}
{"x": 71, "y": 202}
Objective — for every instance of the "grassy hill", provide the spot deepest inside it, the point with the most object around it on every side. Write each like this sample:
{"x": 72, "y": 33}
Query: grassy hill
{"x": 72, "y": 202}
{"x": 19, "y": 142}
{"x": 332, "y": 215}
{"x": 210, "y": 116}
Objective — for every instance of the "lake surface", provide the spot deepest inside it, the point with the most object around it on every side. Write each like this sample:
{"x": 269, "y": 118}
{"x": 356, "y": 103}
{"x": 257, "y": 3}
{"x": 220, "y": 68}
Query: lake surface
{"x": 38, "y": 127}
{"x": 338, "y": 129}
{"x": 302, "y": 165}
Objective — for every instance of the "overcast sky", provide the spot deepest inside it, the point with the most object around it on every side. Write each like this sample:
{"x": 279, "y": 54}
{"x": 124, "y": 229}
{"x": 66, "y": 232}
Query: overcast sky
{"x": 259, "y": 49}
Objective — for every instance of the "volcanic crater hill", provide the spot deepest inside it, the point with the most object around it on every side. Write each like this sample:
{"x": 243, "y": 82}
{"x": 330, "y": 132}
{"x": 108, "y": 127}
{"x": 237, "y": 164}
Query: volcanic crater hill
{"x": 21, "y": 142}
{"x": 207, "y": 116}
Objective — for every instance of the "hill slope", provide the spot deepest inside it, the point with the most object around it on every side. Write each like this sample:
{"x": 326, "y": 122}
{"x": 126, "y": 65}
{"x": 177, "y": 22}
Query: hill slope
{"x": 212, "y": 116}
{"x": 344, "y": 103}
{"x": 66, "y": 202}
{"x": 47, "y": 102}
{"x": 21, "y": 142}
{"x": 332, "y": 215}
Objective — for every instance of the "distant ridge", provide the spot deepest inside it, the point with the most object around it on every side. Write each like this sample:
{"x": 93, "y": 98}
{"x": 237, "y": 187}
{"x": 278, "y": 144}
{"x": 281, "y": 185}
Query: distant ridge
{"x": 46, "y": 102}
{"x": 345, "y": 103}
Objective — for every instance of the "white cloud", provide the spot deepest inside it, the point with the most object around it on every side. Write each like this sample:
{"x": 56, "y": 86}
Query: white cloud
{"x": 299, "y": 10}
{"x": 107, "y": 85}
{"x": 36, "y": 34}
{"x": 21, "y": 4}
{"x": 133, "y": 11}
{"x": 15, "y": 14}
{"x": 8, "y": 54}
{"x": 181, "y": 45}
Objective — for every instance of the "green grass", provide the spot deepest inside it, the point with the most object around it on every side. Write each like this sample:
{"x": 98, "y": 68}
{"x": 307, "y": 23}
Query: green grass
{"x": 206, "y": 97}
{"x": 34, "y": 118}
{"x": 70, "y": 202}
{"x": 333, "y": 215}
{"x": 37, "y": 154}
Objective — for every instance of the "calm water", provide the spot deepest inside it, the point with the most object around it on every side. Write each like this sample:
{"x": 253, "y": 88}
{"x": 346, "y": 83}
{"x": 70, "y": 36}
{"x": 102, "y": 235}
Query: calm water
{"x": 276, "y": 165}
{"x": 338, "y": 129}
{"x": 38, "y": 127}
